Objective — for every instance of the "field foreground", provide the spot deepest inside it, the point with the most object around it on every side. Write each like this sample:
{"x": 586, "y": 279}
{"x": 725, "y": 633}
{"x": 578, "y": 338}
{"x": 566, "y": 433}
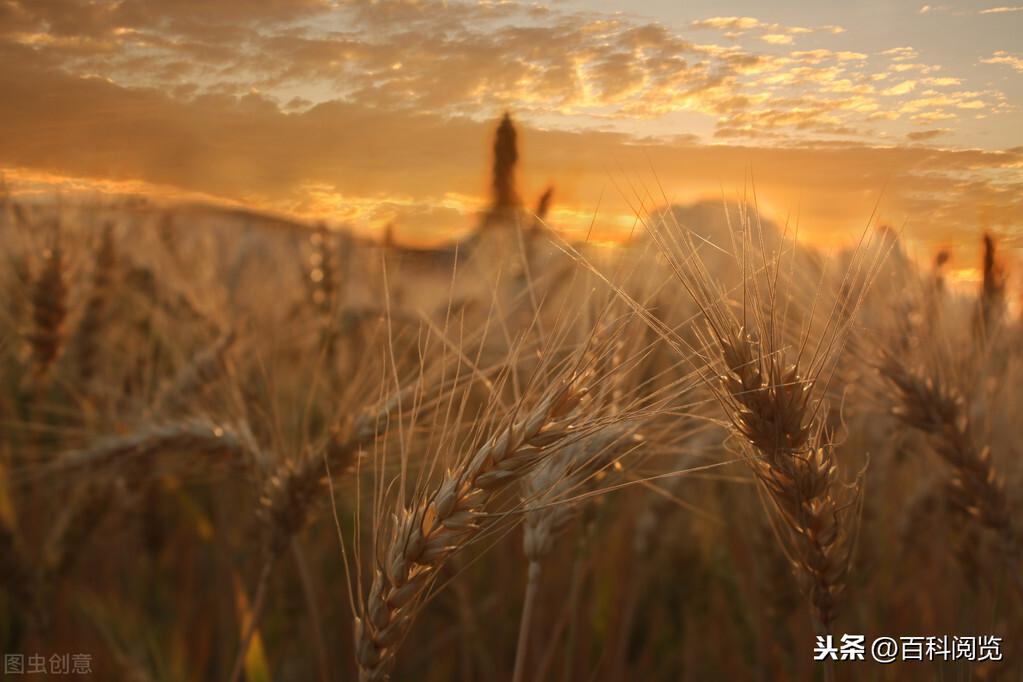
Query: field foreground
{"x": 235, "y": 449}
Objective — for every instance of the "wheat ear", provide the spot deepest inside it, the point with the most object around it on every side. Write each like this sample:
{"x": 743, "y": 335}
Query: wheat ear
{"x": 191, "y": 435}
{"x": 291, "y": 489}
{"x": 426, "y": 534}
{"x": 202, "y": 370}
{"x": 934, "y": 407}
{"x": 49, "y": 311}
{"x": 547, "y": 492}
{"x": 84, "y": 344}
{"x": 771, "y": 410}
{"x": 85, "y": 511}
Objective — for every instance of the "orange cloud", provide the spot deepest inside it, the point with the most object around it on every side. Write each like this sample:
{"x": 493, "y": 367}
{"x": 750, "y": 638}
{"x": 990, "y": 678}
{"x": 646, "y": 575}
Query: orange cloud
{"x": 737, "y": 26}
{"x": 1003, "y": 57}
{"x": 463, "y": 58}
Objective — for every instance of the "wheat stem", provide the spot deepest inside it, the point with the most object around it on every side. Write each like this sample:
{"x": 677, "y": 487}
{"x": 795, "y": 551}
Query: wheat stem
{"x": 528, "y": 605}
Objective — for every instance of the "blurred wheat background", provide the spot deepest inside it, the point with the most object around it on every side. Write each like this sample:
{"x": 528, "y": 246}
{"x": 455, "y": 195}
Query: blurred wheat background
{"x": 238, "y": 448}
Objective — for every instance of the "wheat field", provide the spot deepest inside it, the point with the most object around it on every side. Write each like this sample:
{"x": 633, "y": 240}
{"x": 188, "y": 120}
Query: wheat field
{"x": 238, "y": 448}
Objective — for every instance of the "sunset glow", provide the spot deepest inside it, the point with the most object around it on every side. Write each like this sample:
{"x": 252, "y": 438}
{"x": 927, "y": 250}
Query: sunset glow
{"x": 379, "y": 113}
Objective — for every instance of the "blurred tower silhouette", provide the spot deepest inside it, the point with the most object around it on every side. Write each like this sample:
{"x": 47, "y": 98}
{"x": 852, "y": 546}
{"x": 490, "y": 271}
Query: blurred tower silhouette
{"x": 508, "y": 236}
{"x": 543, "y": 204}
{"x": 940, "y": 261}
{"x": 506, "y": 157}
{"x": 991, "y": 303}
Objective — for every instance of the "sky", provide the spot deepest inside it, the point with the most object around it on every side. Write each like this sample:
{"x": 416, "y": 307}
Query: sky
{"x": 381, "y": 113}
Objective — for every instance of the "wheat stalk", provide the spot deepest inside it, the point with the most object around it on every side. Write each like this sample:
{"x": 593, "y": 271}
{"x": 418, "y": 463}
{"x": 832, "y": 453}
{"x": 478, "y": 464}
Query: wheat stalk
{"x": 174, "y": 303}
{"x": 426, "y": 534}
{"x": 936, "y": 408}
{"x": 16, "y": 575}
{"x": 18, "y": 285}
{"x": 84, "y": 344}
{"x": 547, "y": 493}
{"x": 201, "y": 371}
{"x": 198, "y": 436}
{"x": 49, "y": 311}
{"x": 75, "y": 523}
{"x": 770, "y": 407}
{"x": 292, "y": 487}
{"x": 84, "y": 512}
{"x": 548, "y": 488}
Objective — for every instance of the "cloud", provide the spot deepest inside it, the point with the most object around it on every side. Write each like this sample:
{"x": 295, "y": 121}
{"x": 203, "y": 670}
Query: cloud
{"x": 728, "y": 23}
{"x": 901, "y": 53}
{"x": 922, "y": 135}
{"x": 735, "y": 27}
{"x": 901, "y": 89}
{"x": 821, "y": 55}
{"x": 1002, "y": 10}
{"x": 1003, "y": 57}
{"x": 471, "y": 59}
